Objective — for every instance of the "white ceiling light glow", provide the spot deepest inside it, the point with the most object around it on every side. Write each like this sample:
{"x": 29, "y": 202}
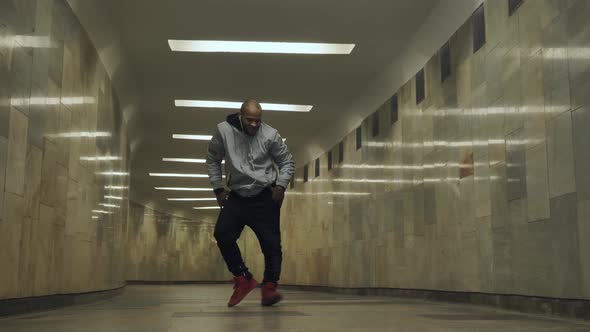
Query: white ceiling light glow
{"x": 109, "y": 205}
{"x": 83, "y": 134}
{"x": 113, "y": 173}
{"x": 180, "y": 175}
{"x": 192, "y": 199}
{"x": 238, "y": 105}
{"x": 207, "y": 208}
{"x": 198, "y": 137}
{"x": 101, "y": 158}
{"x": 116, "y": 187}
{"x": 187, "y": 160}
{"x": 220, "y": 46}
{"x": 101, "y": 212}
{"x": 192, "y": 137}
{"x": 183, "y": 189}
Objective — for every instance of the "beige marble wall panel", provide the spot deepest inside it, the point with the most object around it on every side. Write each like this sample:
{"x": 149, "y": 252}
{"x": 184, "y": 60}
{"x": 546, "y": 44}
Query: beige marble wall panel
{"x": 5, "y": 93}
{"x": 537, "y": 183}
{"x": 556, "y": 67}
{"x": 581, "y": 137}
{"x": 530, "y": 28}
{"x": 20, "y": 70}
{"x": 26, "y": 272}
{"x": 42, "y": 250}
{"x": 32, "y": 193}
{"x": 17, "y": 153}
{"x": 583, "y": 235}
{"x": 533, "y": 100}
{"x": 3, "y": 160}
{"x": 560, "y": 155}
{"x": 10, "y": 235}
{"x": 566, "y": 249}
{"x": 48, "y": 179}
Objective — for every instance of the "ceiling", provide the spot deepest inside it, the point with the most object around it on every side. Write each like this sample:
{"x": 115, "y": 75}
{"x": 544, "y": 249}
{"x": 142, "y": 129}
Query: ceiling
{"x": 379, "y": 28}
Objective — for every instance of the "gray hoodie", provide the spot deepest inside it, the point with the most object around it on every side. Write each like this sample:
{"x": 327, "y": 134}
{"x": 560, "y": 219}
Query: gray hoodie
{"x": 249, "y": 160}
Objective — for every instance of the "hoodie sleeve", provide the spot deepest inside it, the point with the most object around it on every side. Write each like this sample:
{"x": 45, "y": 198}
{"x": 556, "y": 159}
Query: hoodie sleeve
{"x": 215, "y": 155}
{"x": 282, "y": 157}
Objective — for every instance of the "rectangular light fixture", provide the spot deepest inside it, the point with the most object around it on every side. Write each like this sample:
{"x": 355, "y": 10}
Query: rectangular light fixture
{"x": 192, "y": 199}
{"x": 179, "y": 175}
{"x": 207, "y": 208}
{"x": 113, "y": 173}
{"x": 114, "y": 197}
{"x": 101, "y": 211}
{"x": 83, "y": 134}
{"x": 109, "y": 205}
{"x": 185, "y": 160}
{"x": 100, "y": 158}
{"x": 192, "y": 137}
{"x": 183, "y": 189}
{"x": 238, "y": 105}
{"x": 221, "y": 46}
{"x": 198, "y": 138}
{"x": 116, "y": 187}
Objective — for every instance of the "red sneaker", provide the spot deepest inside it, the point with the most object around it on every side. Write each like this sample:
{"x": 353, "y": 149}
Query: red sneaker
{"x": 270, "y": 295}
{"x": 242, "y": 286}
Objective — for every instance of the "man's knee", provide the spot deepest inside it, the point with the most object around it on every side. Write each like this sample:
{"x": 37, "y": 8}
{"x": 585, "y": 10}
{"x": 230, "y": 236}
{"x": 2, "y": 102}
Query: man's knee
{"x": 224, "y": 238}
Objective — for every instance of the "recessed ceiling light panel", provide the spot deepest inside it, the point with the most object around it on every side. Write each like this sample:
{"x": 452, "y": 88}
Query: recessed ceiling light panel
{"x": 238, "y": 105}
{"x": 221, "y": 46}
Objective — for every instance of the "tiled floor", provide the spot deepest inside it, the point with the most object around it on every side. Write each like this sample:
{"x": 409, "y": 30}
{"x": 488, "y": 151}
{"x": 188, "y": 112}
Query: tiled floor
{"x": 203, "y": 308}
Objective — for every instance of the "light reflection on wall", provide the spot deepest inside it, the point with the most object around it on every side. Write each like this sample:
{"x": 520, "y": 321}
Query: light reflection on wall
{"x": 330, "y": 193}
{"x": 26, "y": 41}
{"x": 83, "y": 134}
{"x": 52, "y": 101}
{"x": 454, "y": 144}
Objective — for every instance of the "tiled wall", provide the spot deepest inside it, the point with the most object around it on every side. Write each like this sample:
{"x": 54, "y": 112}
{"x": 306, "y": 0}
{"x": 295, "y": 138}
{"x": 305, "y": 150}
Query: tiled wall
{"x": 481, "y": 187}
{"x": 162, "y": 247}
{"x": 54, "y": 96}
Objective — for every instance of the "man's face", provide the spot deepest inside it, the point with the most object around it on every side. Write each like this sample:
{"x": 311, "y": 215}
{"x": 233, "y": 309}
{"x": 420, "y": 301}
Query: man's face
{"x": 251, "y": 119}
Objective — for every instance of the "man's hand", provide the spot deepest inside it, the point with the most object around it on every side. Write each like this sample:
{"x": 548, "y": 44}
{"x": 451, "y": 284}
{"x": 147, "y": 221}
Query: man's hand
{"x": 222, "y": 197}
{"x": 278, "y": 195}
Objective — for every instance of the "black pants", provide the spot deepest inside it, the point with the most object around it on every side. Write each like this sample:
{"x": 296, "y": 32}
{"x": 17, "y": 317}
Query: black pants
{"x": 262, "y": 215}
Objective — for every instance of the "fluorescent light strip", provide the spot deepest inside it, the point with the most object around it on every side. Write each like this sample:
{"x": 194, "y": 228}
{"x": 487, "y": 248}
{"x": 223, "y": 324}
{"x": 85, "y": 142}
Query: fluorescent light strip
{"x": 220, "y": 46}
{"x": 179, "y": 175}
{"x": 25, "y": 41}
{"x": 238, "y": 105}
{"x": 192, "y": 199}
{"x": 47, "y": 101}
{"x": 101, "y": 211}
{"x": 109, "y": 205}
{"x": 187, "y": 160}
{"x": 116, "y": 187}
{"x": 207, "y": 208}
{"x": 183, "y": 189}
{"x": 80, "y": 134}
{"x": 296, "y": 193}
{"x": 193, "y": 137}
{"x": 100, "y": 158}
{"x": 94, "y": 217}
{"x": 114, "y": 197}
{"x": 198, "y": 137}
{"x": 112, "y": 173}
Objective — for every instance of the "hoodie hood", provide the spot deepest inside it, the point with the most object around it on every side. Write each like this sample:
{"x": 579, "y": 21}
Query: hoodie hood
{"x": 234, "y": 121}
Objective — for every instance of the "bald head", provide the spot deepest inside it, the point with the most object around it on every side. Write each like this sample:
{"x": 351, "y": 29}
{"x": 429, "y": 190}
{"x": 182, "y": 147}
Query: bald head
{"x": 250, "y": 106}
{"x": 251, "y": 115}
